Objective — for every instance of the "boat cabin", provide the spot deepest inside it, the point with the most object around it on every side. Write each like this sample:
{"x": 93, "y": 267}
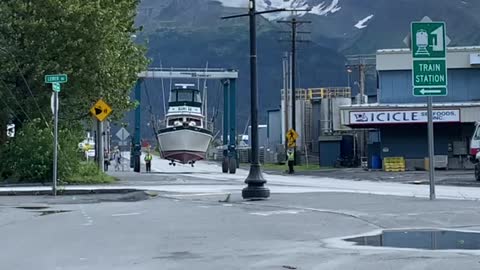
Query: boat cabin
{"x": 185, "y": 95}
{"x": 185, "y": 107}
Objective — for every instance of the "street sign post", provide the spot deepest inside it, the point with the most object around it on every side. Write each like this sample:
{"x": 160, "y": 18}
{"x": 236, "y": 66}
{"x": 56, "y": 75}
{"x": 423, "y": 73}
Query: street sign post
{"x": 101, "y": 111}
{"x": 55, "y": 80}
{"x": 429, "y": 74}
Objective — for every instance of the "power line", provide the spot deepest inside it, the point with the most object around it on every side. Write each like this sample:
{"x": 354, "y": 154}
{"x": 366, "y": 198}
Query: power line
{"x": 16, "y": 101}
{"x": 26, "y": 84}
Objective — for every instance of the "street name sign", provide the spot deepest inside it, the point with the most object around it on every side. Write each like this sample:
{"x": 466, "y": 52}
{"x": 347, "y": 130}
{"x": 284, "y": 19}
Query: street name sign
{"x": 56, "y": 87}
{"x": 101, "y": 110}
{"x": 57, "y": 78}
{"x": 429, "y": 52}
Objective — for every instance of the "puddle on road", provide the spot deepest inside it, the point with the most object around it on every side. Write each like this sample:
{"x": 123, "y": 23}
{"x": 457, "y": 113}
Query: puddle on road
{"x": 33, "y": 207}
{"x": 421, "y": 239}
{"x": 51, "y": 212}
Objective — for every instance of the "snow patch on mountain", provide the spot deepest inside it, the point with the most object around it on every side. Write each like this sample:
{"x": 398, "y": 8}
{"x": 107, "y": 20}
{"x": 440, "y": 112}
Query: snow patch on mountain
{"x": 363, "y": 22}
{"x": 322, "y": 9}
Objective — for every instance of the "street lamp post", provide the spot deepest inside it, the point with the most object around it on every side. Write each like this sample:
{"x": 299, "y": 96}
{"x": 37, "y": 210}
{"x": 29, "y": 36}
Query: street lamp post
{"x": 255, "y": 189}
{"x": 255, "y": 182}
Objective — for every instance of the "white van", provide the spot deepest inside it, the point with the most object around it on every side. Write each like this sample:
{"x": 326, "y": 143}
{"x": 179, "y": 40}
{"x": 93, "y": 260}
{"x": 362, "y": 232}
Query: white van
{"x": 475, "y": 150}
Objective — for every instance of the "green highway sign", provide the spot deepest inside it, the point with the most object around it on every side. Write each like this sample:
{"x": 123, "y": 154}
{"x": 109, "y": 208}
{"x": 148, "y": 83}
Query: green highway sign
{"x": 56, "y": 87}
{"x": 426, "y": 91}
{"x": 58, "y": 78}
{"x": 429, "y": 40}
{"x": 429, "y": 65}
{"x": 429, "y": 73}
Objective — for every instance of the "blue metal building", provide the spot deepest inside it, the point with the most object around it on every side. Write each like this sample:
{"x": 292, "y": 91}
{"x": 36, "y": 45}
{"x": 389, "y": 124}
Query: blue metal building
{"x": 397, "y": 123}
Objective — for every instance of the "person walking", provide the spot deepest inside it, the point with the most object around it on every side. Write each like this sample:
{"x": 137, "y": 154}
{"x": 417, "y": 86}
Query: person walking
{"x": 106, "y": 161}
{"x": 148, "y": 161}
{"x": 291, "y": 160}
{"x": 117, "y": 156}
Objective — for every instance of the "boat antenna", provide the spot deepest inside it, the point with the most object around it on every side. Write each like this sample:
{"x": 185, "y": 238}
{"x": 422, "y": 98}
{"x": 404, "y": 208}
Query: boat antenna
{"x": 163, "y": 91}
{"x": 205, "y": 96}
{"x": 152, "y": 117}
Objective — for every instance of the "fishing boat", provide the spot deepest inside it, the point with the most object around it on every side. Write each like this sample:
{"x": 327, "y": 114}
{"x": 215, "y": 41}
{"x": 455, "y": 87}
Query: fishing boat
{"x": 185, "y": 138}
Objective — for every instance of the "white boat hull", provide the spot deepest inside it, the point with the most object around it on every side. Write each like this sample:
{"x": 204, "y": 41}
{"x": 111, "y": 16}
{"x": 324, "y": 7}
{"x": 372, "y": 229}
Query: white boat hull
{"x": 184, "y": 145}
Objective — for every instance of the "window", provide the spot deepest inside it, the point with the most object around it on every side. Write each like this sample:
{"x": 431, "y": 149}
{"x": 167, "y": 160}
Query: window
{"x": 197, "y": 96}
{"x": 194, "y": 122}
{"x": 184, "y": 95}
{"x": 175, "y": 121}
{"x": 477, "y": 133}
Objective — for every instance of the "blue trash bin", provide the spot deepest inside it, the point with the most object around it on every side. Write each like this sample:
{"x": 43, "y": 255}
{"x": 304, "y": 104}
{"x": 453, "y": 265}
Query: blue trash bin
{"x": 376, "y": 163}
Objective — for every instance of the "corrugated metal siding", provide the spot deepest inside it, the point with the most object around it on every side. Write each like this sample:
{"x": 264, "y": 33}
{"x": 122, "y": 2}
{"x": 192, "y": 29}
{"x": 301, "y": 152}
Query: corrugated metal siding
{"x": 396, "y": 87}
{"x": 410, "y": 141}
{"x": 274, "y": 128}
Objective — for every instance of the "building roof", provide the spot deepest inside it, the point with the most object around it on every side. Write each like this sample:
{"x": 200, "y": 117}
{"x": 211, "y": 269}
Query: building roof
{"x": 407, "y": 50}
{"x": 413, "y": 105}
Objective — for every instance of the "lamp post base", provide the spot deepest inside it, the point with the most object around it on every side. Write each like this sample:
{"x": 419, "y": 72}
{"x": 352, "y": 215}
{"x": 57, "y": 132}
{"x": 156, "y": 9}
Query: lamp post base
{"x": 256, "y": 189}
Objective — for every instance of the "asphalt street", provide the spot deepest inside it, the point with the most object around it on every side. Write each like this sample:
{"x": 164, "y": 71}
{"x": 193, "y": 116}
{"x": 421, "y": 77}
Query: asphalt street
{"x": 181, "y": 231}
{"x": 188, "y": 221}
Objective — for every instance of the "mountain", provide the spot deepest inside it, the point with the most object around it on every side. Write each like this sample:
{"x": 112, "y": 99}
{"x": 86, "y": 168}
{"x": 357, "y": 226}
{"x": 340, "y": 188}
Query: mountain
{"x": 190, "y": 33}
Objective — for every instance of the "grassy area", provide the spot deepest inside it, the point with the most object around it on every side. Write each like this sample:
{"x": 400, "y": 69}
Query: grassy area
{"x": 300, "y": 168}
{"x": 88, "y": 173}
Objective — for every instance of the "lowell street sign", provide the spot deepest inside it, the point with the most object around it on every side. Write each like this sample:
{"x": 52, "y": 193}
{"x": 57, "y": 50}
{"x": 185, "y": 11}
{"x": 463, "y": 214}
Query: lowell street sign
{"x": 57, "y": 78}
{"x": 429, "y": 51}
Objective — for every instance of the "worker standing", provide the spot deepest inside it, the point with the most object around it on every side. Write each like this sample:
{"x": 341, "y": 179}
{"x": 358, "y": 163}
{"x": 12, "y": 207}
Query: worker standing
{"x": 291, "y": 160}
{"x": 148, "y": 161}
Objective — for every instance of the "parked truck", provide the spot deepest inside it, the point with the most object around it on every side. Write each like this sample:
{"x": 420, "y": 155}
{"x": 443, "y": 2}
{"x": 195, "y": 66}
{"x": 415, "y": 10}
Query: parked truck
{"x": 475, "y": 150}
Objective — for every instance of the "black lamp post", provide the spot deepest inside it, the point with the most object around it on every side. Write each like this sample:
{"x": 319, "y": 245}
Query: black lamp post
{"x": 255, "y": 189}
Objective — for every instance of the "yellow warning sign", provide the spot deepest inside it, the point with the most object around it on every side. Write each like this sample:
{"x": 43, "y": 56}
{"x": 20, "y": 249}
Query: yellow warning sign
{"x": 292, "y": 135}
{"x": 101, "y": 110}
{"x": 291, "y": 144}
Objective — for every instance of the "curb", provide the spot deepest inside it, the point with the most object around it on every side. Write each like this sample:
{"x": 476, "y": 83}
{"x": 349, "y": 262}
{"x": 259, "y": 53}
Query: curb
{"x": 67, "y": 192}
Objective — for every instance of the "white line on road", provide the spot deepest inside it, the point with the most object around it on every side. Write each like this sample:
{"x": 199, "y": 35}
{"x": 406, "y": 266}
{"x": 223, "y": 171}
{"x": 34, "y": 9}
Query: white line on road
{"x": 126, "y": 214}
{"x": 279, "y": 212}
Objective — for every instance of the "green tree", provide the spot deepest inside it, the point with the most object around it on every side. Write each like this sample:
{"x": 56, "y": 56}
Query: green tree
{"x": 90, "y": 41}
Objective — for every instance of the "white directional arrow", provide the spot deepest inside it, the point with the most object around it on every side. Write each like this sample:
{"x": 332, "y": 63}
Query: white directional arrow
{"x": 430, "y": 91}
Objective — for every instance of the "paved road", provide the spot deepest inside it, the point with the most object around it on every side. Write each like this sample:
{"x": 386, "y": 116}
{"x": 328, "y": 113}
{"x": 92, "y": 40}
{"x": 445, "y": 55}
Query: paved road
{"x": 179, "y": 231}
{"x": 185, "y": 226}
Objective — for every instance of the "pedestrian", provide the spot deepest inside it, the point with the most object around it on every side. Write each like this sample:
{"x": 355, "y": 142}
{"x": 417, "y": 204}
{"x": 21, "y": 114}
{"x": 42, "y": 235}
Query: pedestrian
{"x": 106, "y": 161}
{"x": 118, "y": 159}
{"x": 148, "y": 161}
{"x": 291, "y": 160}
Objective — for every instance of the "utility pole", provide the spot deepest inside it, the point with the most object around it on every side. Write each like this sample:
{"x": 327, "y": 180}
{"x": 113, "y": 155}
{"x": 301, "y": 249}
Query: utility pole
{"x": 362, "y": 63}
{"x": 255, "y": 189}
{"x": 294, "y": 23}
{"x": 361, "y": 69}
{"x": 100, "y": 141}
{"x": 286, "y": 87}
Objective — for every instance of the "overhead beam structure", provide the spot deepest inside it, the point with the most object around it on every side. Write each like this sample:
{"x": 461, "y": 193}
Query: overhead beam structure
{"x": 228, "y": 77}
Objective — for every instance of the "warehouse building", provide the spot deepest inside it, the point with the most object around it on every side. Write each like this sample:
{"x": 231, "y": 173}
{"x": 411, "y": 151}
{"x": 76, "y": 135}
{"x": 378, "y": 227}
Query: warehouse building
{"x": 396, "y": 124}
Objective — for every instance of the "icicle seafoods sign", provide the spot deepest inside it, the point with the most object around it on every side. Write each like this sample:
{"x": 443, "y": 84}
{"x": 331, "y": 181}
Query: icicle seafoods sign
{"x": 402, "y": 117}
